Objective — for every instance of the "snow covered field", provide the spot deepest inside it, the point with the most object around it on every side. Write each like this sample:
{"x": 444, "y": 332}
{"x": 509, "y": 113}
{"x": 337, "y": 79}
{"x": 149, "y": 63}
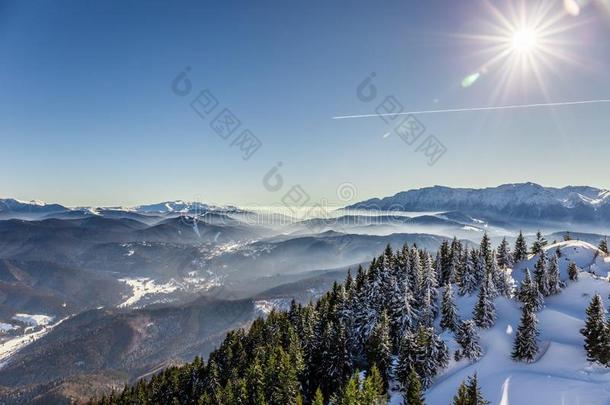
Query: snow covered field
{"x": 264, "y": 307}
{"x": 12, "y": 346}
{"x": 149, "y": 288}
{"x": 561, "y": 374}
{"x": 142, "y": 287}
{"x": 33, "y": 320}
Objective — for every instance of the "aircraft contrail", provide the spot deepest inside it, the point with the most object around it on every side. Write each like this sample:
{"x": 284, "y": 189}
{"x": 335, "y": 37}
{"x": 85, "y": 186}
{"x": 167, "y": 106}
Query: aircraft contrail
{"x": 501, "y": 107}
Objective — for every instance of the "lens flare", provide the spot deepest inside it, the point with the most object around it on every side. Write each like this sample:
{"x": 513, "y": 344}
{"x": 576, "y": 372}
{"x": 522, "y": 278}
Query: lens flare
{"x": 572, "y": 7}
{"x": 524, "y": 44}
{"x": 470, "y": 79}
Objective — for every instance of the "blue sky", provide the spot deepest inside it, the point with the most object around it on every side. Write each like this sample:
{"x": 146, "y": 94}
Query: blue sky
{"x": 88, "y": 116}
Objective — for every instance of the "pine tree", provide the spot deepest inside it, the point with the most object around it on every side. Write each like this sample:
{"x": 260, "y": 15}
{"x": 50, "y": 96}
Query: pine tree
{"x": 212, "y": 380}
{"x": 449, "y": 314}
{"x": 379, "y": 348}
{"x": 373, "y": 391}
{"x": 318, "y": 398}
{"x": 400, "y": 310}
{"x": 444, "y": 262}
{"x": 478, "y": 265}
{"x": 596, "y": 332}
{"x": 496, "y": 280}
{"x": 468, "y": 339}
{"x": 467, "y": 282}
{"x": 256, "y": 383}
{"x": 406, "y": 357}
{"x": 505, "y": 259}
{"x": 555, "y": 284}
{"x": 484, "y": 312}
{"x": 536, "y": 299}
{"x": 425, "y": 352}
{"x": 286, "y": 384}
{"x": 469, "y": 393}
{"x": 438, "y": 267}
{"x": 523, "y": 294}
{"x": 426, "y": 313}
{"x": 539, "y": 244}
{"x": 461, "y": 397}
{"x": 336, "y": 359}
{"x": 525, "y": 346}
{"x": 541, "y": 274}
{"x": 529, "y": 293}
{"x": 474, "y": 392}
{"x": 429, "y": 283}
{"x": 415, "y": 273}
{"x": 485, "y": 249}
{"x": 388, "y": 254}
{"x": 573, "y": 271}
{"x": 374, "y": 294}
{"x": 603, "y": 245}
{"x": 456, "y": 260}
{"x": 440, "y": 352}
{"x": 413, "y": 390}
{"x": 432, "y": 356}
{"x": 387, "y": 277}
{"x": 349, "y": 281}
{"x": 404, "y": 263}
{"x": 365, "y": 314}
{"x": 520, "y": 252}
{"x": 506, "y": 285}
{"x": 351, "y": 393}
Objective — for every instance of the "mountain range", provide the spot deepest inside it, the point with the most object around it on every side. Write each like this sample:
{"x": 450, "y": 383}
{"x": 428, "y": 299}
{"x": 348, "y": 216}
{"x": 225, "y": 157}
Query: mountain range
{"x": 521, "y": 203}
{"x": 11, "y": 208}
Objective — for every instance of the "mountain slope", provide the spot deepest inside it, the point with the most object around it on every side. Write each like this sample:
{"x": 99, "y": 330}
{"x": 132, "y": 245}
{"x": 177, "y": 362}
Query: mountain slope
{"x": 561, "y": 374}
{"x": 132, "y": 343}
{"x": 316, "y": 333}
{"x": 12, "y": 208}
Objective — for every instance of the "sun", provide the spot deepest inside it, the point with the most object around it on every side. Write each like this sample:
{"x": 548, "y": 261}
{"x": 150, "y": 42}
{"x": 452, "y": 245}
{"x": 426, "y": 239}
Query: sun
{"x": 524, "y": 40}
{"x": 522, "y": 44}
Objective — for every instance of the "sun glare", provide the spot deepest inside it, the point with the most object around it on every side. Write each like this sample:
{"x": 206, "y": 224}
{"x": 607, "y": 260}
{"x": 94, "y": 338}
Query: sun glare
{"x": 524, "y": 40}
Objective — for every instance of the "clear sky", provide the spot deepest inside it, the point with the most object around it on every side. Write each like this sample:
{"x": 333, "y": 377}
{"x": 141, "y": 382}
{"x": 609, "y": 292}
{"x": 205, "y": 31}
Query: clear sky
{"x": 88, "y": 116}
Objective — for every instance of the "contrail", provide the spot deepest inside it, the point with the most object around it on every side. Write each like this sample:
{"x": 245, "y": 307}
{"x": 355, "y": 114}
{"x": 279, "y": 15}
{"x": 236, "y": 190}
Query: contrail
{"x": 501, "y": 107}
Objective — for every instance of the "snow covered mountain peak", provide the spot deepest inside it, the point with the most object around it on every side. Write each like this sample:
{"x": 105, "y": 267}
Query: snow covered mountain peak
{"x": 180, "y": 206}
{"x": 14, "y": 205}
{"x": 522, "y": 201}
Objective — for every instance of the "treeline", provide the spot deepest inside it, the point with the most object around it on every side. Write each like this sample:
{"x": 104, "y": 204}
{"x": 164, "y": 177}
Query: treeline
{"x": 380, "y": 321}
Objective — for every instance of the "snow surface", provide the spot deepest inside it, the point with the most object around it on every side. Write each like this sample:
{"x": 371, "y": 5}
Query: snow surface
{"x": 561, "y": 374}
{"x": 33, "y": 320}
{"x": 9, "y": 347}
{"x": 586, "y": 256}
{"x": 6, "y": 327}
{"x": 144, "y": 287}
{"x": 264, "y": 307}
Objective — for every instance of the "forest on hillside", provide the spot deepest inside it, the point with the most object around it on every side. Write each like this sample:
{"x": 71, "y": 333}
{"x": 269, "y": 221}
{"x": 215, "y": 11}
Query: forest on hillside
{"x": 378, "y": 331}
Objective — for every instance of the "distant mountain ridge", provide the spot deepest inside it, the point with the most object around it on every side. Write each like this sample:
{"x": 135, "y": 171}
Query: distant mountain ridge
{"x": 523, "y": 201}
{"x": 12, "y": 208}
{"x": 17, "y": 206}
